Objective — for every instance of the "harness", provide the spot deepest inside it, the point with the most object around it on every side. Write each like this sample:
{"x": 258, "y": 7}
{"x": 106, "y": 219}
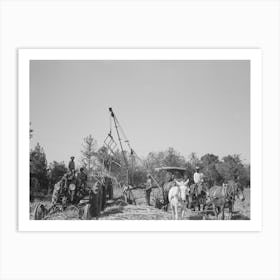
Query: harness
{"x": 227, "y": 192}
{"x": 231, "y": 195}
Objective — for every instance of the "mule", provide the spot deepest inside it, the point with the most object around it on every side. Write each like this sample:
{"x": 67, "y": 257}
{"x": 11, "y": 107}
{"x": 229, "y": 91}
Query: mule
{"x": 177, "y": 196}
{"x": 222, "y": 197}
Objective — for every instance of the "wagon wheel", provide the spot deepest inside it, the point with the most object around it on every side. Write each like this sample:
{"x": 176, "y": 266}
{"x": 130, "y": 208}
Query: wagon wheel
{"x": 40, "y": 211}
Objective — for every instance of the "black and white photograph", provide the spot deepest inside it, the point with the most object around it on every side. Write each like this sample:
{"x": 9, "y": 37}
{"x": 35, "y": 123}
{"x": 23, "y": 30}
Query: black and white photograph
{"x": 140, "y": 139}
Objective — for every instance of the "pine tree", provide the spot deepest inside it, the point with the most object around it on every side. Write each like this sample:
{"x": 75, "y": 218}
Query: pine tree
{"x": 89, "y": 153}
{"x": 38, "y": 169}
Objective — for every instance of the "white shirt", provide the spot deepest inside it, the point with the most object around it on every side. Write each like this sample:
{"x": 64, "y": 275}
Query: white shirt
{"x": 197, "y": 177}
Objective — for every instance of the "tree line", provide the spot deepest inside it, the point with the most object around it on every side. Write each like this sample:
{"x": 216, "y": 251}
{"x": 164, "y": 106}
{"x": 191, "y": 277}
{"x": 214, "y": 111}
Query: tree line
{"x": 99, "y": 160}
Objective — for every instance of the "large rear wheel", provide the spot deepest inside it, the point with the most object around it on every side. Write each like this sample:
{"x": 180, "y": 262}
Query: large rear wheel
{"x": 40, "y": 211}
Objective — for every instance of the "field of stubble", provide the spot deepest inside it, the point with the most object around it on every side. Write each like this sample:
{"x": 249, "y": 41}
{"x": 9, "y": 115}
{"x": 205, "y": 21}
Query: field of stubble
{"x": 119, "y": 210}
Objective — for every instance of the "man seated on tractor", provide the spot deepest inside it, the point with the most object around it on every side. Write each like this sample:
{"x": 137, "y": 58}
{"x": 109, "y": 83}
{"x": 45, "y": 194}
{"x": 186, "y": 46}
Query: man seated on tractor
{"x": 82, "y": 183}
{"x": 65, "y": 182}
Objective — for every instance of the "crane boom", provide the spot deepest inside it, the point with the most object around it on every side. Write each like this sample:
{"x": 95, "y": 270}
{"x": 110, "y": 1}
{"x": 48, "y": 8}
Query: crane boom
{"x": 133, "y": 153}
{"x": 116, "y": 123}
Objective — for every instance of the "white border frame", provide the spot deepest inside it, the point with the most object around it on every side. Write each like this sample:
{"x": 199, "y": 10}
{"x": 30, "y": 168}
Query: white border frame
{"x": 254, "y": 55}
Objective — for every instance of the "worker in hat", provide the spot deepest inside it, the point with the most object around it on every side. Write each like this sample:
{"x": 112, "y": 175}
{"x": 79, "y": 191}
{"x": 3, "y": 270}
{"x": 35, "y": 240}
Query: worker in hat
{"x": 148, "y": 188}
{"x": 71, "y": 165}
{"x": 197, "y": 176}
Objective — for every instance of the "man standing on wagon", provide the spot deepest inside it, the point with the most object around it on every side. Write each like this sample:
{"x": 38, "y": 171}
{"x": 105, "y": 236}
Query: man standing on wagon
{"x": 197, "y": 178}
{"x": 71, "y": 165}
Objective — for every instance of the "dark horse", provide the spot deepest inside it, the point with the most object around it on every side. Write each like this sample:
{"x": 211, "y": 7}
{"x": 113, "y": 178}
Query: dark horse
{"x": 221, "y": 197}
{"x": 197, "y": 196}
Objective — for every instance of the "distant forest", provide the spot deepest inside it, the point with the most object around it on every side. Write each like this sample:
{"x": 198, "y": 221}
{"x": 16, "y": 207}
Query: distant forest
{"x": 99, "y": 160}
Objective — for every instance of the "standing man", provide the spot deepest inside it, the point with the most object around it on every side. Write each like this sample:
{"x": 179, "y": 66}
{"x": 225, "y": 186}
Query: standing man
{"x": 148, "y": 189}
{"x": 197, "y": 176}
{"x": 198, "y": 179}
{"x": 71, "y": 165}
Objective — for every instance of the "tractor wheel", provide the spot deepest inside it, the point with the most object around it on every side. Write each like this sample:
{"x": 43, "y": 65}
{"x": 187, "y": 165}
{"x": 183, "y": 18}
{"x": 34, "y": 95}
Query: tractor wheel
{"x": 40, "y": 211}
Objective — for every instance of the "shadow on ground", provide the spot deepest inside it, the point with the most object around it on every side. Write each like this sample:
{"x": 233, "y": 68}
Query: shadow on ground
{"x": 112, "y": 211}
{"x": 236, "y": 215}
{"x": 239, "y": 216}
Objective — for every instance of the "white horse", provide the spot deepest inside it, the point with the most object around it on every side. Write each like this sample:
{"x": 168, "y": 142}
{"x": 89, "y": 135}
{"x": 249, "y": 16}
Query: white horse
{"x": 177, "y": 195}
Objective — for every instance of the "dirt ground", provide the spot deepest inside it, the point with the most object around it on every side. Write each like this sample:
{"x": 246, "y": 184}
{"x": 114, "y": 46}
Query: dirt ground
{"x": 119, "y": 210}
{"x": 144, "y": 212}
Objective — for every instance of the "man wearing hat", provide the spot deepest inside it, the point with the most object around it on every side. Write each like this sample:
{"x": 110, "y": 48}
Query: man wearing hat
{"x": 83, "y": 177}
{"x": 197, "y": 176}
{"x": 148, "y": 189}
{"x": 71, "y": 165}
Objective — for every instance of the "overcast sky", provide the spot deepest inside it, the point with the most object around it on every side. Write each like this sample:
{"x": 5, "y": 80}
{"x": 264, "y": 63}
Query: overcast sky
{"x": 193, "y": 106}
